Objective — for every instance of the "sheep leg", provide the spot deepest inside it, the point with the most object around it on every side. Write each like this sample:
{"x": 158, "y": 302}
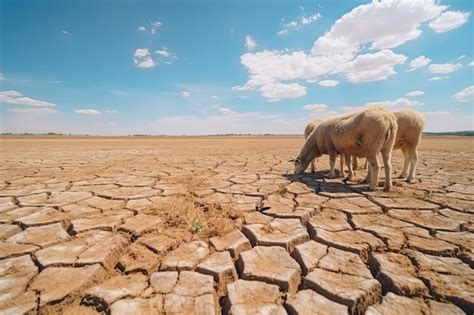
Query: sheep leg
{"x": 365, "y": 164}
{"x": 413, "y": 162}
{"x": 387, "y": 162}
{"x": 406, "y": 157}
{"x": 355, "y": 164}
{"x": 313, "y": 170}
{"x": 332, "y": 163}
{"x": 341, "y": 165}
{"x": 349, "y": 167}
{"x": 374, "y": 168}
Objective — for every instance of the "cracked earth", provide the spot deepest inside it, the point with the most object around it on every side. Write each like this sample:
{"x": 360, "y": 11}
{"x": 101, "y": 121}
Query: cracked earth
{"x": 210, "y": 225}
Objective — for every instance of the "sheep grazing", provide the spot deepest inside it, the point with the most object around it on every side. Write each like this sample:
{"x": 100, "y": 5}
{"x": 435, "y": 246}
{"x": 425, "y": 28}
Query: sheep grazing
{"x": 364, "y": 133}
{"x": 410, "y": 127}
{"x": 307, "y": 132}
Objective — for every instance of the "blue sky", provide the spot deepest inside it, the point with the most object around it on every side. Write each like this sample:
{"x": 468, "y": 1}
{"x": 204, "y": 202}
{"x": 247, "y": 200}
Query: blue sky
{"x": 207, "y": 67}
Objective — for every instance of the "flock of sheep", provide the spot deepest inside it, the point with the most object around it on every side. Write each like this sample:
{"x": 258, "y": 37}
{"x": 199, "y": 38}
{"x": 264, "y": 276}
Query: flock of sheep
{"x": 365, "y": 133}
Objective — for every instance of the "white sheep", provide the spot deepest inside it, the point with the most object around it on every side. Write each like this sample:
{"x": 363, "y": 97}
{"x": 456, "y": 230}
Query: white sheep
{"x": 410, "y": 128}
{"x": 364, "y": 133}
{"x": 308, "y": 130}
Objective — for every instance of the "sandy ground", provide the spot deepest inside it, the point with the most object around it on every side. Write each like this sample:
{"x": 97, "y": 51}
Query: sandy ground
{"x": 203, "y": 225}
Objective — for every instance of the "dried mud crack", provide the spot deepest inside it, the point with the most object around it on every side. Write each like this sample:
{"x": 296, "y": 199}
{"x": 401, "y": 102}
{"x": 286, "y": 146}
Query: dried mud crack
{"x": 216, "y": 225}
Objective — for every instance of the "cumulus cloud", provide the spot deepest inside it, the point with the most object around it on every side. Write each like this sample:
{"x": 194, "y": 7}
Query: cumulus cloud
{"x": 277, "y": 91}
{"x": 250, "y": 43}
{"x": 396, "y": 104}
{"x": 301, "y": 21}
{"x": 142, "y": 59}
{"x": 444, "y": 68}
{"x": 464, "y": 95}
{"x": 471, "y": 64}
{"x": 415, "y": 93}
{"x": 316, "y": 107}
{"x": 418, "y": 62}
{"x": 142, "y": 28}
{"x": 185, "y": 93}
{"x": 375, "y": 26}
{"x": 328, "y": 83}
{"x": 16, "y": 98}
{"x": 92, "y": 112}
{"x": 372, "y": 67}
{"x": 377, "y": 23}
{"x": 448, "y": 21}
{"x": 33, "y": 111}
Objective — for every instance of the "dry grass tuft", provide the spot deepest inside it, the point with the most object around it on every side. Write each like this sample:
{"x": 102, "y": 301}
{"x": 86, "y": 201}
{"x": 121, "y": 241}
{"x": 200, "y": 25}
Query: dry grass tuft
{"x": 189, "y": 217}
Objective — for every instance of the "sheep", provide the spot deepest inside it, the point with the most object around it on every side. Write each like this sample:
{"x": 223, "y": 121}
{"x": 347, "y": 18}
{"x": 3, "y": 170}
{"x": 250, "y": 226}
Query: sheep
{"x": 308, "y": 130}
{"x": 364, "y": 133}
{"x": 410, "y": 127}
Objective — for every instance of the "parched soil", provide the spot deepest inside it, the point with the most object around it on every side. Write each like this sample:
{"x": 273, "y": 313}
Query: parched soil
{"x": 204, "y": 225}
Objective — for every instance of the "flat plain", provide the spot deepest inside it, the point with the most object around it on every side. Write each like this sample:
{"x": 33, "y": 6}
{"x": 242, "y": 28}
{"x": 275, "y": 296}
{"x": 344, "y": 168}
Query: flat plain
{"x": 204, "y": 225}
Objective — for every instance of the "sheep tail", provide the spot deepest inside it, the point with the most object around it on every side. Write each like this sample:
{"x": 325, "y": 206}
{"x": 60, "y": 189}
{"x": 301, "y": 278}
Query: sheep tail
{"x": 389, "y": 134}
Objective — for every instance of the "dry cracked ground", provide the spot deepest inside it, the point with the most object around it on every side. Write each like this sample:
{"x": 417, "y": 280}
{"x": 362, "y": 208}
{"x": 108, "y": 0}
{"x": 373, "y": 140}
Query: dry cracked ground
{"x": 210, "y": 225}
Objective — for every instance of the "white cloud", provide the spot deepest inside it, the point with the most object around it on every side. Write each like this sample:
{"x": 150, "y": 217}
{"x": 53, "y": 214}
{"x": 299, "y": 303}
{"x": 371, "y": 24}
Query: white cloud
{"x": 277, "y": 91}
{"x": 14, "y": 97}
{"x": 328, "y": 83}
{"x": 66, "y": 33}
{"x": 471, "y": 64}
{"x": 316, "y": 107}
{"x": 372, "y": 67}
{"x": 396, "y": 104}
{"x": 250, "y": 43}
{"x": 33, "y": 111}
{"x": 270, "y": 66}
{"x": 185, "y": 93}
{"x": 301, "y": 21}
{"x": 444, "y": 68}
{"x": 214, "y": 97}
{"x": 448, "y": 21}
{"x": 92, "y": 112}
{"x": 142, "y": 58}
{"x": 156, "y": 24}
{"x": 164, "y": 52}
{"x": 461, "y": 57}
{"x": 111, "y": 111}
{"x": 415, "y": 93}
{"x": 419, "y": 62}
{"x": 465, "y": 95}
{"x": 2, "y": 77}
{"x": 226, "y": 111}
{"x": 439, "y": 78}
{"x": 142, "y": 28}
{"x": 377, "y": 23}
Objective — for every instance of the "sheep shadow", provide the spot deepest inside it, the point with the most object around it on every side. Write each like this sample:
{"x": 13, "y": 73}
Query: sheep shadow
{"x": 319, "y": 182}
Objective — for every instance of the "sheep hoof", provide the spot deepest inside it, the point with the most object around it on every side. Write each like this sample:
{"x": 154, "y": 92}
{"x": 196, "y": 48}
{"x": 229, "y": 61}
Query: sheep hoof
{"x": 409, "y": 180}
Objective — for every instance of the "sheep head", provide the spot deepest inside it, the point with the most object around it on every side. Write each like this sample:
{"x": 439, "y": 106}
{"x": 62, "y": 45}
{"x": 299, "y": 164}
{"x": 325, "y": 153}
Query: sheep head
{"x": 299, "y": 166}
